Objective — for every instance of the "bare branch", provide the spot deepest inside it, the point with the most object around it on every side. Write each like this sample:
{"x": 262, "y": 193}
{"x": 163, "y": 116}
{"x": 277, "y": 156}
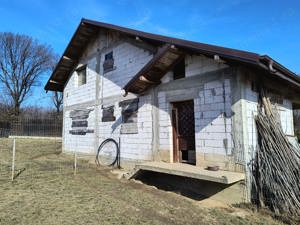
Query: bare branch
{"x": 57, "y": 99}
{"x": 22, "y": 62}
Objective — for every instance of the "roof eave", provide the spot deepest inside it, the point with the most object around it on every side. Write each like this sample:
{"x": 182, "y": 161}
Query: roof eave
{"x": 279, "y": 67}
{"x": 187, "y": 46}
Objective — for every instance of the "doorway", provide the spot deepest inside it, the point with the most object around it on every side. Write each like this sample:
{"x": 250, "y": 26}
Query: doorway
{"x": 183, "y": 123}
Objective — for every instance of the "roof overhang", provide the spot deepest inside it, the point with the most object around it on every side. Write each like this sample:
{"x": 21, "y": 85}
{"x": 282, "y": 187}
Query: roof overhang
{"x": 87, "y": 29}
{"x": 70, "y": 57}
{"x": 166, "y": 57}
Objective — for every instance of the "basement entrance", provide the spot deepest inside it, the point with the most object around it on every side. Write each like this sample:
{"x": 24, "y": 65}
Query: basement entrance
{"x": 183, "y": 123}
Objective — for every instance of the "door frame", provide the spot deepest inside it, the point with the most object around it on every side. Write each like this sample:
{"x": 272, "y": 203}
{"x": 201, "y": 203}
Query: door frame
{"x": 176, "y": 153}
{"x": 175, "y": 150}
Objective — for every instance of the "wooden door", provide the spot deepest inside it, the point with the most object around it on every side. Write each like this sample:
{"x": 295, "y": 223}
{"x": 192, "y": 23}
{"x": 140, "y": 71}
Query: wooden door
{"x": 183, "y": 122}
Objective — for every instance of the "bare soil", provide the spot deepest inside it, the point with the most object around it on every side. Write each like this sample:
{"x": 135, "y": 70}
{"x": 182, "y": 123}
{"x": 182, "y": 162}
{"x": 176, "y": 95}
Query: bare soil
{"x": 47, "y": 192}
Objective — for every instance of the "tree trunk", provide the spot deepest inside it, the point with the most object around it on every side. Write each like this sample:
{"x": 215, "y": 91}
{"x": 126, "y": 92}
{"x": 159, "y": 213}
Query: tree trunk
{"x": 57, "y": 109}
{"x": 16, "y": 112}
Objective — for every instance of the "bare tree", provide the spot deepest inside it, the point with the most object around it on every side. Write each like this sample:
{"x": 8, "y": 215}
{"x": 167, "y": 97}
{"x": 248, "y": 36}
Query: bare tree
{"x": 57, "y": 99}
{"x": 22, "y": 62}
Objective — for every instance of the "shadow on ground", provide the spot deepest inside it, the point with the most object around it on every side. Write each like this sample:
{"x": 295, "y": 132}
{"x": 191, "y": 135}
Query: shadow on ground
{"x": 188, "y": 187}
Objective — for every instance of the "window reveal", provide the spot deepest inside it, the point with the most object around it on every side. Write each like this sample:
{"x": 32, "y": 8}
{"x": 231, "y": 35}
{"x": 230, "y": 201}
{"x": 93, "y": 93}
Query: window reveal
{"x": 179, "y": 70}
{"x": 81, "y": 73}
{"x": 108, "y": 114}
{"x": 108, "y": 64}
{"x": 129, "y": 110}
{"x": 129, "y": 116}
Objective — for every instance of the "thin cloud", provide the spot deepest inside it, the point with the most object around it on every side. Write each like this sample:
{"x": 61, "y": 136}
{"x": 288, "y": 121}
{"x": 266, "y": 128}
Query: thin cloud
{"x": 145, "y": 23}
{"x": 142, "y": 21}
{"x": 167, "y": 32}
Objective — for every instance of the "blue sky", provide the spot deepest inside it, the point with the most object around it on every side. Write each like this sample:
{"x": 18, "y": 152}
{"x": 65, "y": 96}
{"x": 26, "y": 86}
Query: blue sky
{"x": 265, "y": 27}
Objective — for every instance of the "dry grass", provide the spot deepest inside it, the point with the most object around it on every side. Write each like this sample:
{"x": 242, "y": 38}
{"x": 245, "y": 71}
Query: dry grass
{"x": 47, "y": 192}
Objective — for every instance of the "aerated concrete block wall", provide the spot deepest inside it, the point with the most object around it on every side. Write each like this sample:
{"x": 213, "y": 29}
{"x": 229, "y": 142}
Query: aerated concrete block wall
{"x": 103, "y": 90}
{"x": 285, "y": 111}
{"x": 80, "y": 97}
{"x": 79, "y": 143}
{"x": 214, "y": 124}
{"x": 224, "y": 107}
{"x": 134, "y": 146}
{"x": 210, "y": 90}
{"x": 128, "y": 60}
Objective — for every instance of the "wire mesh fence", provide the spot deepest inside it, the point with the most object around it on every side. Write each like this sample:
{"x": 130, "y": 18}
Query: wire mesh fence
{"x": 40, "y": 127}
{"x": 37, "y": 153}
{"x": 41, "y": 176}
{"x": 38, "y": 142}
{"x": 34, "y": 160}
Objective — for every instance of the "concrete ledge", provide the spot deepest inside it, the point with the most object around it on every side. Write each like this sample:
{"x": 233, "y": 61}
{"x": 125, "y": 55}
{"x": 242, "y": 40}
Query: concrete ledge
{"x": 36, "y": 137}
{"x": 179, "y": 169}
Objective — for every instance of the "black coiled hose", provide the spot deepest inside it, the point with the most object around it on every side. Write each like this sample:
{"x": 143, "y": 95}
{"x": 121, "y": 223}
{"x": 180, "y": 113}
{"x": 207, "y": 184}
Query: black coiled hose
{"x": 115, "y": 157}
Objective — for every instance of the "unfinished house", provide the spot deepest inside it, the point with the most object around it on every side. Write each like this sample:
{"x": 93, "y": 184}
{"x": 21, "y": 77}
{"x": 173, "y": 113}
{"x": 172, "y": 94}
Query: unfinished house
{"x": 175, "y": 106}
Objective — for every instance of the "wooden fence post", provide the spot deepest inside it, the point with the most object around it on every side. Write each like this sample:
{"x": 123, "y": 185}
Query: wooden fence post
{"x": 75, "y": 162}
{"x": 13, "y": 160}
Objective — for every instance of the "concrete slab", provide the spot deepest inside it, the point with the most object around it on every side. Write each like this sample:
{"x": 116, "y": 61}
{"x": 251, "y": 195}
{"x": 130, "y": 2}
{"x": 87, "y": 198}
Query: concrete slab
{"x": 36, "y": 137}
{"x": 185, "y": 170}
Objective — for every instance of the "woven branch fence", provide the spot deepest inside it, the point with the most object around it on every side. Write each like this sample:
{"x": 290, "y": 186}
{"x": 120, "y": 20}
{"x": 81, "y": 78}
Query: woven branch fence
{"x": 276, "y": 173}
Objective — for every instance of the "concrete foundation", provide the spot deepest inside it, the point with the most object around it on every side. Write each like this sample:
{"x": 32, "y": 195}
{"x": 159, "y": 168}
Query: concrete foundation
{"x": 194, "y": 188}
{"x": 185, "y": 170}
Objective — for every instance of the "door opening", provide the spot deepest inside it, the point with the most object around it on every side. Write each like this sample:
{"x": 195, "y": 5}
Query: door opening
{"x": 183, "y": 123}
